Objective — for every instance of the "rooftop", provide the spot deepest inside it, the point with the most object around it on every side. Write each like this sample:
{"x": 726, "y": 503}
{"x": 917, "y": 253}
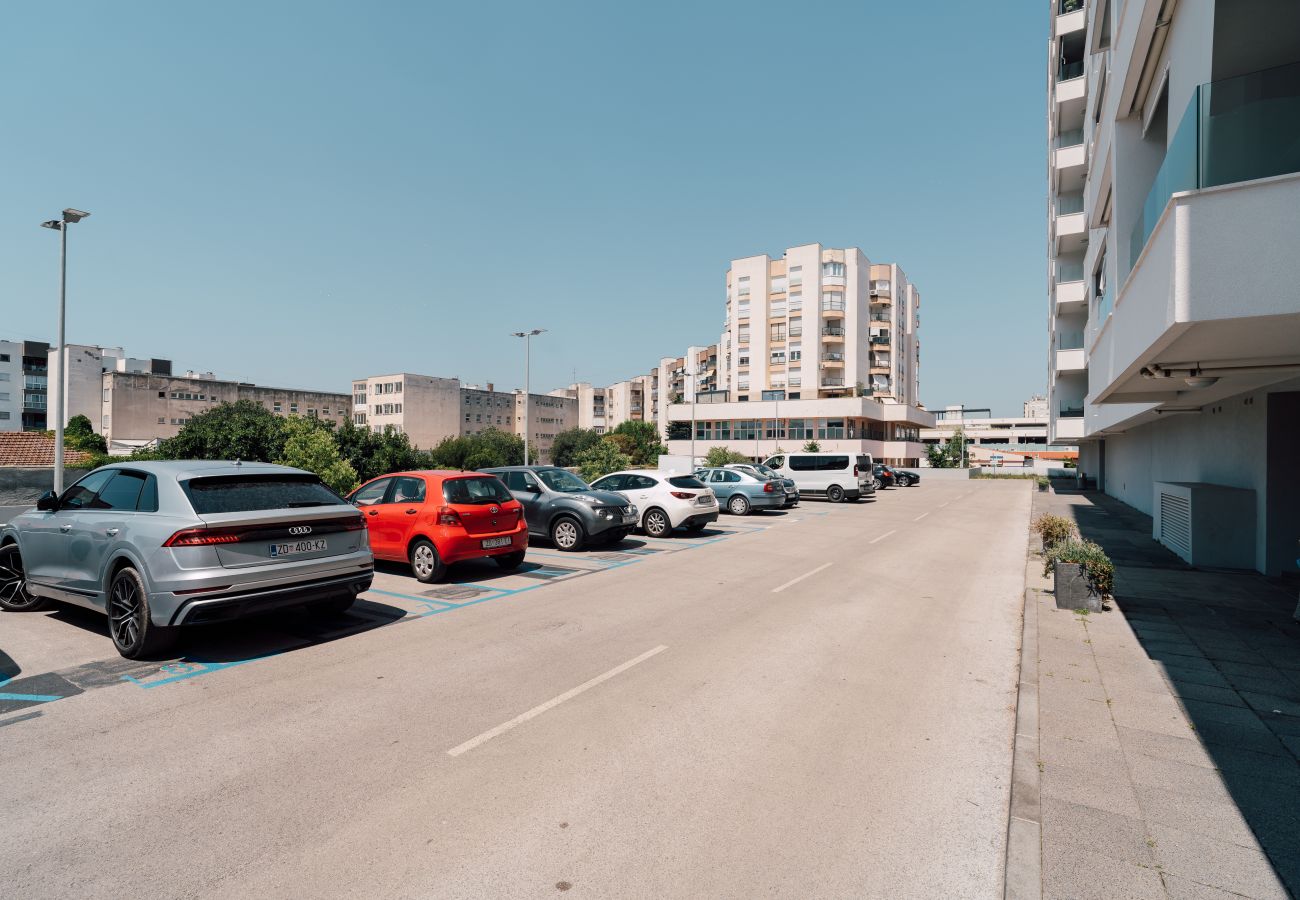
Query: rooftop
{"x": 35, "y": 449}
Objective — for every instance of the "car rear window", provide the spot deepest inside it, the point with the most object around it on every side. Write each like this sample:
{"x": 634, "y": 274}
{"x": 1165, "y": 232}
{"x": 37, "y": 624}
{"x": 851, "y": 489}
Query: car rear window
{"x": 865, "y": 463}
{"x": 250, "y": 493}
{"x": 484, "y": 489}
{"x": 686, "y": 481}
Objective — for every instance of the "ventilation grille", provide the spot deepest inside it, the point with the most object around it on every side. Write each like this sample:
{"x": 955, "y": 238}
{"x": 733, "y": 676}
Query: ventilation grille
{"x": 1176, "y": 523}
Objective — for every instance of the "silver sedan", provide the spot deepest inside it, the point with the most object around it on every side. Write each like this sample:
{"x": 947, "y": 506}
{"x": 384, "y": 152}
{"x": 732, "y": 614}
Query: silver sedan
{"x": 158, "y": 545}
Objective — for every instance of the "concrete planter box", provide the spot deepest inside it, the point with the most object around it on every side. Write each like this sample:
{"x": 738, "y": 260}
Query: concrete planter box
{"x": 1072, "y": 588}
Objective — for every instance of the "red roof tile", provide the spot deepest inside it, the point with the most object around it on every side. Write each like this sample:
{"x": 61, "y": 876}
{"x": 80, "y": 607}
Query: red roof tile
{"x": 35, "y": 449}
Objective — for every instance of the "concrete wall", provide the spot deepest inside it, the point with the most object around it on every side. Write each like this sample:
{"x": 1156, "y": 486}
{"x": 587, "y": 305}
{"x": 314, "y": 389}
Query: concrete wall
{"x": 20, "y": 485}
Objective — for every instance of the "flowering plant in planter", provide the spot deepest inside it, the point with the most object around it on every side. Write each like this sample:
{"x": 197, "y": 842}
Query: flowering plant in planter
{"x": 1095, "y": 564}
{"x": 1054, "y": 530}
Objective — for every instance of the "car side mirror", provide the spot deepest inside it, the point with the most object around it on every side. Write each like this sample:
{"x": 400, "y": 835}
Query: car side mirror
{"x": 533, "y": 488}
{"x": 48, "y": 502}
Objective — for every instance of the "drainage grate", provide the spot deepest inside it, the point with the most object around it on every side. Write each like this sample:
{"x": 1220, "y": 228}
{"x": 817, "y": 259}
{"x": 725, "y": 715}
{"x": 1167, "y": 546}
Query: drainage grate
{"x": 454, "y": 592}
{"x": 611, "y": 557}
{"x": 548, "y": 572}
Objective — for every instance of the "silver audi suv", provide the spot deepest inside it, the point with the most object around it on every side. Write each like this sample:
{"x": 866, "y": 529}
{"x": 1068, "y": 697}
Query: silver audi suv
{"x": 158, "y": 545}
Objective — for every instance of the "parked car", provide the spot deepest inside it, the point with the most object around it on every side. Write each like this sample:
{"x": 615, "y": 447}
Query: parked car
{"x": 159, "y": 545}
{"x": 835, "y": 476}
{"x": 667, "y": 501}
{"x": 740, "y": 491}
{"x": 791, "y": 489}
{"x": 883, "y": 476}
{"x": 906, "y": 479}
{"x": 562, "y": 507}
{"x": 433, "y": 519}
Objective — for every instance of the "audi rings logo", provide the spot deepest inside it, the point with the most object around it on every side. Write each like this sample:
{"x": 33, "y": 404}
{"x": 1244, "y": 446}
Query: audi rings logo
{"x": 494, "y": 510}
{"x": 300, "y": 529}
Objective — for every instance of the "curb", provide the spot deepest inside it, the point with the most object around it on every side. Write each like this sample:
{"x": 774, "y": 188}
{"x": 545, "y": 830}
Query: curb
{"x": 1023, "y": 873}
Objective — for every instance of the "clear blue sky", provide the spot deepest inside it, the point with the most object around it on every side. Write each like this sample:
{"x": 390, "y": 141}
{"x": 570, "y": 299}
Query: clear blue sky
{"x": 301, "y": 193}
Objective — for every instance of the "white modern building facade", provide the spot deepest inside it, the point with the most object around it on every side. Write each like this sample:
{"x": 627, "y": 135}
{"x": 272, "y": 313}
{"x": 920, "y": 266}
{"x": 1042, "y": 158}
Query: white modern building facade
{"x": 981, "y": 428}
{"x": 1174, "y": 258}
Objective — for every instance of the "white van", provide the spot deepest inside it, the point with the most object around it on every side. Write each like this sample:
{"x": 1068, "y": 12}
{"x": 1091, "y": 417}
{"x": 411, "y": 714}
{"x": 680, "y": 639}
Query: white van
{"x": 835, "y": 476}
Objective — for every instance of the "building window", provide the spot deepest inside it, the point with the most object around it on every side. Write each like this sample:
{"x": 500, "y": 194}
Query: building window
{"x": 276, "y": 407}
{"x": 796, "y": 275}
{"x": 777, "y": 331}
{"x": 4, "y": 414}
{"x": 742, "y": 336}
{"x": 743, "y": 289}
{"x": 4, "y": 357}
{"x": 293, "y": 407}
{"x": 833, "y": 269}
{"x": 162, "y": 421}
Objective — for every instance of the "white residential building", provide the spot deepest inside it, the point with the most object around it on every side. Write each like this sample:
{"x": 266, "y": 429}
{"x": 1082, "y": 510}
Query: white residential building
{"x": 983, "y": 429}
{"x": 591, "y": 404}
{"x": 83, "y": 380}
{"x": 1173, "y": 221}
{"x": 11, "y": 385}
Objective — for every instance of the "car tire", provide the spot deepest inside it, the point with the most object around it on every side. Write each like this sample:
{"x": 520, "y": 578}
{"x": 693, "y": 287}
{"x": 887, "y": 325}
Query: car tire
{"x": 904, "y": 481}
{"x": 334, "y": 606}
{"x": 510, "y": 561}
{"x": 656, "y": 523}
{"x": 426, "y": 564}
{"x": 738, "y": 505}
{"x": 880, "y": 485}
{"x": 14, "y": 596}
{"x": 567, "y": 534}
{"x": 835, "y": 493}
{"x": 130, "y": 624}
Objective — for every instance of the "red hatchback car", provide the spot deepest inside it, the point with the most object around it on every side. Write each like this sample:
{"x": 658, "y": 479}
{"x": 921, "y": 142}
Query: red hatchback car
{"x": 434, "y": 519}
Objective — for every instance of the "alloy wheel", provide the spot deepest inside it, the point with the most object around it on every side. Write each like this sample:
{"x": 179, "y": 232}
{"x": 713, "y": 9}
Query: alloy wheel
{"x": 13, "y": 581}
{"x": 125, "y": 610}
{"x": 656, "y": 523}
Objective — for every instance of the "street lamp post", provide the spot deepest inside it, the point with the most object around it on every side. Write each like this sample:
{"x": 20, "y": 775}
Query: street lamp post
{"x": 70, "y": 216}
{"x": 693, "y": 388}
{"x": 528, "y": 362}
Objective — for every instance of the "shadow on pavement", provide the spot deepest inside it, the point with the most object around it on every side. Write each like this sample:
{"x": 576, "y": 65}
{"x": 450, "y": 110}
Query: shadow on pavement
{"x": 1229, "y": 648}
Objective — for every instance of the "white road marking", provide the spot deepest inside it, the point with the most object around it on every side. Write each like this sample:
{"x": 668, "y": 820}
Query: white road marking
{"x": 777, "y": 590}
{"x": 882, "y": 537}
{"x": 920, "y": 517}
{"x": 550, "y": 704}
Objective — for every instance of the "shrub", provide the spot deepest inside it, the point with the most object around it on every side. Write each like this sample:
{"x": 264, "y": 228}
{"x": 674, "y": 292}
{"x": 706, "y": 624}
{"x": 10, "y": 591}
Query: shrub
{"x": 1043, "y": 482}
{"x": 720, "y": 456}
{"x": 601, "y": 459}
{"x": 1097, "y": 567}
{"x": 1054, "y": 530}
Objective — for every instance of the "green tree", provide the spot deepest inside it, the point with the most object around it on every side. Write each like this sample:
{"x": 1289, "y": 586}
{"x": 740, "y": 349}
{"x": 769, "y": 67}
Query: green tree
{"x": 490, "y": 447}
{"x": 947, "y": 455}
{"x": 937, "y": 457}
{"x": 644, "y": 447}
{"x": 679, "y": 431}
{"x": 372, "y": 455}
{"x": 309, "y": 445}
{"x": 241, "y": 430}
{"x": 812, "y": 447}
{"x": 720, "y": 456}
{"x": 600, "y": 459}
{"x": 79, "y": 434}
{"x": 568, "y": 444}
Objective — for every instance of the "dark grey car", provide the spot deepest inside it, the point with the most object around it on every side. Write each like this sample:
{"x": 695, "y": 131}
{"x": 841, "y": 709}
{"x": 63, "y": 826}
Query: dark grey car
{"x": 562, "y": 507}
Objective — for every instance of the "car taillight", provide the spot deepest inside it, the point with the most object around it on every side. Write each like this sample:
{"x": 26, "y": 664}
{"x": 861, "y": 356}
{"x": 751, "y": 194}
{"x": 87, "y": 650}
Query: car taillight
{"x": 448, "y": 516}
{"x": 769, "y": 488}
{"x": 201, "y": 537}
{"x": 855, "y": 471}
{"x": 682, "y": 495}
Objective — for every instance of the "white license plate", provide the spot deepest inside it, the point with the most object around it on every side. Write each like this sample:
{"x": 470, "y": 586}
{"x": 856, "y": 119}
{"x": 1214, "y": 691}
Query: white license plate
{"x": 489, "y": 543}
{"x": 705, "y": 501}
{"x": 297, "y": 547}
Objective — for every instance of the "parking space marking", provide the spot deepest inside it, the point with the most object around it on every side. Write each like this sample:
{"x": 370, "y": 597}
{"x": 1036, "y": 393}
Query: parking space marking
{"x": 551, "y": 704}
{"x": 777, "y": 590}
{"x": 882, "y": 537}
{"x": 920, "y": 517}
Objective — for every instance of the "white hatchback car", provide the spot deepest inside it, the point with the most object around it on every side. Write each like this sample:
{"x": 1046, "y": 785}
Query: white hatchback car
{"x": 667, "y": 501}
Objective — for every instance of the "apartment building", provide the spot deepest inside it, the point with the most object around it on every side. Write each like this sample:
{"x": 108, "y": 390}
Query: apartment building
{"x": 139, "y": 408}
{"x": 24, "y": 386}
{"x": 82, "y": 378}
{"x": 591, "y": 405}
{"x": 629, "y": 401}
{"x": 1174, "y": 314}
{"x": 1025, "y": 433}
{"x": 429, "y": 409}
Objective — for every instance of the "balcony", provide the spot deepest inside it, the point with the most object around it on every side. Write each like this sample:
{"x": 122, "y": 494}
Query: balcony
{"x": 1070, "y": 163}
{"x": 834, "y": 359}
{"x": 833, "y": 280}
{"x": 882, "y": 318}
{"x": 836, "y": 382}
{"x": 1071, "y": 297}
{"x": 1070, "y": 360}
{"x": 1234, "y": 130}
{"x": 1067, "y": 430}
{"x": 835, "y": 334}
{"x": 1070, "y": 17}
{"x": 880, "y": 289}
{"x": 1071, "y": 412}
{"x": 832, "y": 307}
{"x": 879, "y": 340}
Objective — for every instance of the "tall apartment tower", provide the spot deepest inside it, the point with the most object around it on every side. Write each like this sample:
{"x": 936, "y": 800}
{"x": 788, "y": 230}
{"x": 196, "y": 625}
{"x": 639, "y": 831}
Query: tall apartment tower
{"x": 1173, "y": 218}
{"x": 819, "y": 323}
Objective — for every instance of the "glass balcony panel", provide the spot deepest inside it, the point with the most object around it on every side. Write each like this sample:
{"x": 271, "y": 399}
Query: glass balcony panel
{"x": 1069, "y": 70}
{"x": 1069, "y": 138}
{"x": 1069, "y": 203}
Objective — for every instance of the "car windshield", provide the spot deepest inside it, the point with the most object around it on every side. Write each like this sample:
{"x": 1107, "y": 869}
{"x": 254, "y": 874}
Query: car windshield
{"x": 247, "y": 493}
{"x": 762, "y": 470}
{"x": 562, "y": 481}
{"x": 481, "y": 490}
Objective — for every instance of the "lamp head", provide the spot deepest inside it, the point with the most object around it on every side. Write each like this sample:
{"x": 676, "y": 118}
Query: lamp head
{"x": 74, "y": 215}
{"x": 54, "y": 224}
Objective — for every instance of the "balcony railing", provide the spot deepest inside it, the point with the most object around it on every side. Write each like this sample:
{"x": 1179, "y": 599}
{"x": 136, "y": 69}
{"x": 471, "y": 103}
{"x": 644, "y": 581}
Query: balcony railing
{"x": 1069, "y": 342}
{"x": 882, "y": 317}
{"x": 1065, "y": 7}
{"x": 1069, "y": 272}
{"x": 1068, "y": 71}
{"x": 833, "y": 332}
{"x": 879, "y": 339}
{"x": 833, "y": 357}
{"x": 832, "y": 305}
{"x": 1069, "y": 203}
{"x": 1068, "y": 139}
{"x": 1071, "y": 412}
{"x": 1236, "y": 129}
{"x": 833, "y": 382}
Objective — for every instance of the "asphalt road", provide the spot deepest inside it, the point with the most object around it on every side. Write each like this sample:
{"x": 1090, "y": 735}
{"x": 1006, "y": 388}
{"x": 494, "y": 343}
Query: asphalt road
{"x": 818, "y": 704}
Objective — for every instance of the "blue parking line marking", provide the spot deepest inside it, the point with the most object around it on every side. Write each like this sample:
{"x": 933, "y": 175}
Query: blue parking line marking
{"x": 193, "y": 669}
{"x": 31, "y": 698}
{"x": 414, "y": 597}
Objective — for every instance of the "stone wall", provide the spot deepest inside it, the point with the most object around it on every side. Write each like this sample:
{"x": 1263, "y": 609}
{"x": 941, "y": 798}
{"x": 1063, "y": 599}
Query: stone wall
{"x": 19, "y": 485}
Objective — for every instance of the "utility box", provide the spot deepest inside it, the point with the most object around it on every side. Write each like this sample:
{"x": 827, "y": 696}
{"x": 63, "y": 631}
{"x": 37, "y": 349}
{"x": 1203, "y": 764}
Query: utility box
{"x": 680, "y": 465}
{"x": 1206, "y": 524}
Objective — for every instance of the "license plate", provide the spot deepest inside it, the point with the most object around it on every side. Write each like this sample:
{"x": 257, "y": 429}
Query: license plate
{"x": 489, "y": 543}
{"x": 297, "y": 547}
{"x": 705, "y": 501}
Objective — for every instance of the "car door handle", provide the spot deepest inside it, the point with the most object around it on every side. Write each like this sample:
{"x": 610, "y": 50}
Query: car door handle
{"x": 112, "y": 532}
{"x": 65, "y": 528}
{"x": 372, "y": 513}
{"x": 411, "y": 512}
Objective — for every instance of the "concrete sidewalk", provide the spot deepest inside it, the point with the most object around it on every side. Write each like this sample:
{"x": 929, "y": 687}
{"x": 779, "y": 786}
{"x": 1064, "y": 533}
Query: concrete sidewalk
{"x": 1166, "y": 730}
